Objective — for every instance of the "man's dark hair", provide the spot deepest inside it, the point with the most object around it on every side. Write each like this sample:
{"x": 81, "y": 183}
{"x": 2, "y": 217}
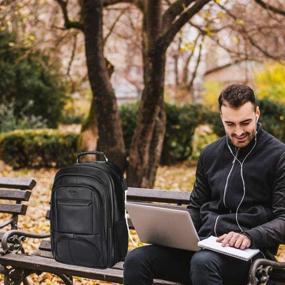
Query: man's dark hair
{"x": 236, "y": 95}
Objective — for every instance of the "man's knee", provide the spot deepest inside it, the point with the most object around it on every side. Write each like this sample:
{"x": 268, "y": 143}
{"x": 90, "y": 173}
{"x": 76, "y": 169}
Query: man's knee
{"x": 136, "y": 267}
{"x": 206, "y": 268}
{"x": 205, "y": 260}
{"x": 134, "y": 259}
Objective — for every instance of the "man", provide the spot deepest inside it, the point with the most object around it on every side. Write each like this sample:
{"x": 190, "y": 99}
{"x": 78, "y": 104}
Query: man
{"x": 238, "y": 196}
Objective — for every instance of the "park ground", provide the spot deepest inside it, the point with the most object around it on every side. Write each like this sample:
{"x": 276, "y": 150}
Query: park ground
{"x": 177, "y": 177}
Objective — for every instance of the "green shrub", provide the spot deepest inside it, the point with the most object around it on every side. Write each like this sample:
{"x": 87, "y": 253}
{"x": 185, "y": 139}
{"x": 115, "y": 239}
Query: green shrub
{"x": 71, "y": 119}
{"x": 273, "y": 118}
{"x": 38, "y": 148}
{"x": 128, "y": 117}
{"x": 203, "y": 136}
{"x": 29, "y": 80}
{"x": 180, "y": 127}
{"x": 215, "y": 122}
{"x": 10, "y": 122}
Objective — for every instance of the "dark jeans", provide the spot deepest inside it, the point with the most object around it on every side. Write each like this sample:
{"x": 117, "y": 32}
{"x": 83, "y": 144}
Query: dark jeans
{"x": 146, "y": 263}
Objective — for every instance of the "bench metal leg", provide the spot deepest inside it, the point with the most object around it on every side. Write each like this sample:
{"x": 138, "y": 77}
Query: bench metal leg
{"x": 14, "y": 276}
{"x": 68, "y": 280}
{"x": 261, "y": 270}
{"x": 259, "y": 273}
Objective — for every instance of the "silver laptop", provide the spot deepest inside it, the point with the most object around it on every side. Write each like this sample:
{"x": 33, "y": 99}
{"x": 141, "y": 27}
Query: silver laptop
{"x": 165, "y": 226}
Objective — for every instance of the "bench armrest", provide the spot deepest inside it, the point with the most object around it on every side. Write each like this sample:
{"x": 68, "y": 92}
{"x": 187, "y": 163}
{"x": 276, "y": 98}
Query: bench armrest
{"x": 262, "y": 270}
{"x": 6, "y": 223}
{"x": 12, "y": 240}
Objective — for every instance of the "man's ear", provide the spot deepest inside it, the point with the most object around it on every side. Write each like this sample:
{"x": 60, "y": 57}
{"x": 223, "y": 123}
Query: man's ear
{"x": 257, "y": 112}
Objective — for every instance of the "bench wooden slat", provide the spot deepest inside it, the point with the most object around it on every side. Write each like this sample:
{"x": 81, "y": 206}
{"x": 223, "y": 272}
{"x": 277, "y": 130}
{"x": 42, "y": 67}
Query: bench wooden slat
{"x": 18, "y": 195}
{"x": 155, "y": 195}
{"x": 44, "y": 253}
{"x": 13, "y": 209}
{"x": 45, "y": 245}
{"x": 37, "y": 263}
{"x": 17, "y": 183}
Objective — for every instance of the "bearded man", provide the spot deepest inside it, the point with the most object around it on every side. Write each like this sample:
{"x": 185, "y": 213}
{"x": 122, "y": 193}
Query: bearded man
{"x": 238, "y": 196}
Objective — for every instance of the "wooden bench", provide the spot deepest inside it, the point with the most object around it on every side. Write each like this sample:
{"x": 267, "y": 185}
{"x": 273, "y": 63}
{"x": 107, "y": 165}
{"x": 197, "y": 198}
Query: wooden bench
{"x": 13, "y": 193}
{"x": 18, "y": 265}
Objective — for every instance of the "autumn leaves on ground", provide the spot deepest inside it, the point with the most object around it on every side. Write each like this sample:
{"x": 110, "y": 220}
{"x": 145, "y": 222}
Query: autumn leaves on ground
{"x": 178, "y": 177}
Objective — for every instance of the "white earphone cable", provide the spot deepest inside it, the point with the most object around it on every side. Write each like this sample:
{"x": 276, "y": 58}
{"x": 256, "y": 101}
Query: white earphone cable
{"x": 242, "y": 177}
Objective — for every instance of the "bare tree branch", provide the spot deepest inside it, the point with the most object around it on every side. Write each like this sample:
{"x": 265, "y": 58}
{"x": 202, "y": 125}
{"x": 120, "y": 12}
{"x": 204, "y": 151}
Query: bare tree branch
{"x": 114, "y": 24}
{"x": 72, "y": 55}
{"x": 174, "y": 10}
{"x": 216, "y": 41}
{"x": 67, "y": 23}
{"x": 166, "y": 38}
{"x": 270, "y": 7}
{"x": 246, "y": 35}
{"x": 131, "y": 21}
{"x": 138, "y": 3}
{"x": 61, "y": 39}
{"x": 176, "y": 60}
{"x": 186, "y": 66}
{"x": 194, "y": 74}
{"x": 221, "y": 67}
{"x": 211, "y": 30}
{"x": 262, "y": 50}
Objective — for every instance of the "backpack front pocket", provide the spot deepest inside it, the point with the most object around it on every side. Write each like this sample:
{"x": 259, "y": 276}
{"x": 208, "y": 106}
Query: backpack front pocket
{"x": 75, "y": 216}
{"x": 83, "y": 250}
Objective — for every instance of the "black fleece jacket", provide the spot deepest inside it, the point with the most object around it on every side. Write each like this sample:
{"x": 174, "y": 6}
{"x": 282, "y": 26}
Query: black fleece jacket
{"x": 253, "y": 201}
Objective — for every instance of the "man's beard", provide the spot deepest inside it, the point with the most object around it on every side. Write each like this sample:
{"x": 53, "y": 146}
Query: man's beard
{"x": 244, "y": 140}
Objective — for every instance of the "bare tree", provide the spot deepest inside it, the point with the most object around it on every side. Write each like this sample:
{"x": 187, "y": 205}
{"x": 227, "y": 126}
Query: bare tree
{"x": 104, "y": 114}
{"x": 159, "y": 29}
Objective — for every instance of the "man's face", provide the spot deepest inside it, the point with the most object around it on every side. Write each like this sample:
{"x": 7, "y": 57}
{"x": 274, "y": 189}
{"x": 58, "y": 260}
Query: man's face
{"x": 240, "y": 123}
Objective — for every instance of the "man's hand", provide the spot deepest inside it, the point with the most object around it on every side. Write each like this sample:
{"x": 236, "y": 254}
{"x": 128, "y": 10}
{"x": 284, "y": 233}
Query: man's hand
{"x": 234, "y": 239}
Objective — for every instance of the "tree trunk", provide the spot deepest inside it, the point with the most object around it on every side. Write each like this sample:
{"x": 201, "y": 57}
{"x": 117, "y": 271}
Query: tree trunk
{"x": 148, "y": 137}
{"x": 88, "y": 140}
{"x": 89, "y": 132}
{"x": 105, "y": 104}
{"x": 155, "y": 149}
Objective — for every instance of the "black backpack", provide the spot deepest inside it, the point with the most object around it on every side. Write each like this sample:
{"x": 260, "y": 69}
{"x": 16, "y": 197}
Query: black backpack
{"x": 88, "y": 225}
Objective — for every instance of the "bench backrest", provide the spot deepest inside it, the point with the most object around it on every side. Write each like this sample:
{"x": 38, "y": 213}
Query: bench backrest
{"x": 154, "y": 195}
{"x": 161, "y": 196}
{"x": 13, "y": 192}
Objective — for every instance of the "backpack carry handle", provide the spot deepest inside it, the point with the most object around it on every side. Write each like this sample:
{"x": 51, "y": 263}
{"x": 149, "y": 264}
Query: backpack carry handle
{"x": 91, "y": 152}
